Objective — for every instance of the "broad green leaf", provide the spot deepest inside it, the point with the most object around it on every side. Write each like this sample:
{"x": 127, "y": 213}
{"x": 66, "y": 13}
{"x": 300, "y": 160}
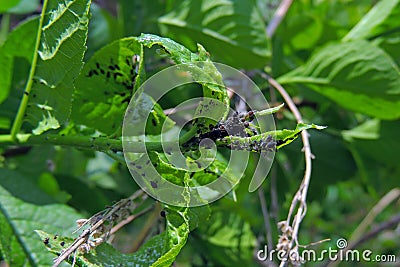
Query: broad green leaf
{"x": 282, "y": 137}
{"x": 19, "y": 43}
{"x": 24, "y": 7}
{"x": 232, "y": 31}
{"x": 7, "y": 5}
{"x": 227, "y": 239}
{"x": 22, "y": 212}
{"x": 376, "y": 21}
{"x": 377, "y": 139}
{"x": 208, "y": 72}
{"x": 140, "y": 15}
{"x": 62, "y": 45}
{"x": 368, "y": 130}
{"x": 357, "y": 75}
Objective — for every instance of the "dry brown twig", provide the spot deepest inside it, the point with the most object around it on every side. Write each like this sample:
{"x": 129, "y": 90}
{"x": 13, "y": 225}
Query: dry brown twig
{"x": 280, "y": 13}
{"x": 288, "y": 240}
{"x": 101, "y": 225}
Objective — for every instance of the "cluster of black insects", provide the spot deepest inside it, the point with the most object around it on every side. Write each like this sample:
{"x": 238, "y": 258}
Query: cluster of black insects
{"x": 114, "y": 71}
{"x": 237, "y": 125}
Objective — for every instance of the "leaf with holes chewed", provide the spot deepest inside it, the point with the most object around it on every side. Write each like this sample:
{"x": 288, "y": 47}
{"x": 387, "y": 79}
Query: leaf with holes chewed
{"x": 61, "y": 50}
{"x": 216, "y": 103}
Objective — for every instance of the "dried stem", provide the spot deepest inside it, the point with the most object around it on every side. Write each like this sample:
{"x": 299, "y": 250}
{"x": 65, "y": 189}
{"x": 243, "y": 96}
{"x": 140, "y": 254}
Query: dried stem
{"x": 101, "y": 224}
{"x": 290, "y": 229}
{"x": 385, "y": 201}
{"x": 278, "y": 17}
{"x": 144, "y": 232}
{"x": 267, "y": 225}
{"x": 130, "y": 219}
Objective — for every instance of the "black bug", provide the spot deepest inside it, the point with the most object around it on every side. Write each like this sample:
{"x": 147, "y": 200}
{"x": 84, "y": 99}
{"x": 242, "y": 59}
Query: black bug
{"x": 46, "y": 241}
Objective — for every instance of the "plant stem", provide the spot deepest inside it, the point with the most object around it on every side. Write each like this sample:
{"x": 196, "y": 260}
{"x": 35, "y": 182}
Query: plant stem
{"x": 24, "y": 102}
{"x": 103, "y": 144}
{"x": 299, "y": 200}
{"x": 278, "y": 17}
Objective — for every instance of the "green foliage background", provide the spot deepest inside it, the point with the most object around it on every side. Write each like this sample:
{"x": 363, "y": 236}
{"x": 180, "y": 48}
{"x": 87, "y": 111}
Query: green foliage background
{"x": 339, "y": 61}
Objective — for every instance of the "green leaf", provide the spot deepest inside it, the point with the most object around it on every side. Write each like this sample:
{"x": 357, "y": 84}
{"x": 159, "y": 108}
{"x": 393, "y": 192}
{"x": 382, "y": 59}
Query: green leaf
{"x": 20, "y": 43}
{"x": 377, "y": 139}
{"x": 6, "y": 5}
{"x": 106, "y": 83}
{"x": 227, "y": 238}
{"x": 282, "y": 137}
{"x": 212, "y": 89}
{"x": 233, "y": 31}
{"x": 268, "y": 111}
{"x": 357, "y": 75}
{"x": 368, "y": 130}
{"x": 376, "y": 21}
{"x": 62, "y": 45}
{"x": 24, "y": 7}
{"x": 177, "y": 175}
{"x": 24, "y": 211}
{"x": 177, "y": 234}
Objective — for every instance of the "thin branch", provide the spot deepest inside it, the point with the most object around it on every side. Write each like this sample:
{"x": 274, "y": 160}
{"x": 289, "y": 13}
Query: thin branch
{"x": 299, "y": 200}
{"x": 391, "y": 223}
{"x": 278, "y": 17}
{"x": 267, "y": 225}
{"x": 274, "y": 196}
{"x": 144, "y": 232}
{"x": 385, "y": 201}
{"x": 130, "y": 219}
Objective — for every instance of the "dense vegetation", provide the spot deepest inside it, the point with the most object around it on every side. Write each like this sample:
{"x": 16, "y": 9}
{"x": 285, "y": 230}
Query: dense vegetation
{"x": 70, "y": 68}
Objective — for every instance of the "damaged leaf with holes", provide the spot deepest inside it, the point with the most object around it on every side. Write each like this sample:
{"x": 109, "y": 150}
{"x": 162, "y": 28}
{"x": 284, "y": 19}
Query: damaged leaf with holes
{"x": 106, "y": 84}
{"x": 158, "y": 164}
{"x": 60, "y": 54}
{"x": 214, "y": 92}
